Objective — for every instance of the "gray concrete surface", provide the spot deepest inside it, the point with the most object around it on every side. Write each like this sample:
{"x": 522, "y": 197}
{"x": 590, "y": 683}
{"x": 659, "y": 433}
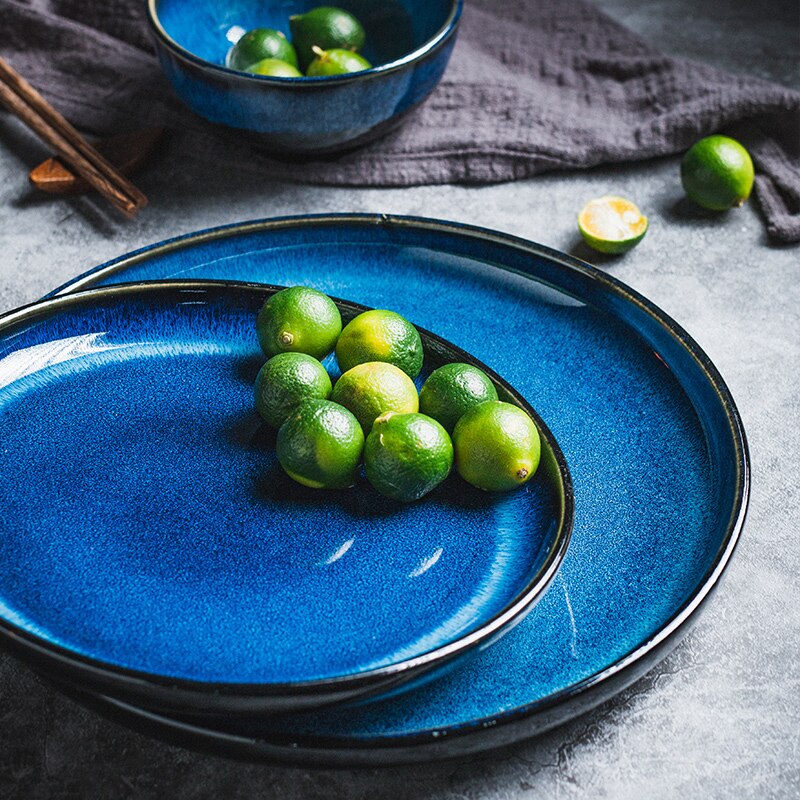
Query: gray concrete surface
{"x": 720, "y": 718}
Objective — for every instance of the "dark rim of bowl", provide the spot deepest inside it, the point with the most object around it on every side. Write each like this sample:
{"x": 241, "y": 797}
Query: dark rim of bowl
{"x": 356, "y": 681}
{"x": 678, "y": 622}
{"x": 432, "y": 44}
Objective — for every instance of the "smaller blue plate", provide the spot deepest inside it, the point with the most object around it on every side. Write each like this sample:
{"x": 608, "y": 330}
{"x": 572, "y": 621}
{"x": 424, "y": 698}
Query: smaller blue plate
{"x": 151, "y": 546}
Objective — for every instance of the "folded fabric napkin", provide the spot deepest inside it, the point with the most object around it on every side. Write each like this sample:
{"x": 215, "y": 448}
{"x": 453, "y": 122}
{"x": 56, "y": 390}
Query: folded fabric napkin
{"x": 533, "y": 85}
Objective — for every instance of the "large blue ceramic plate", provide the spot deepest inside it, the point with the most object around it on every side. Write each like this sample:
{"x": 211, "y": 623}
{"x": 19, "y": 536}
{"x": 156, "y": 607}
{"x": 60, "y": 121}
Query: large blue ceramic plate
{"x": 655, "y": 446}
{"x": 152, "y": 546}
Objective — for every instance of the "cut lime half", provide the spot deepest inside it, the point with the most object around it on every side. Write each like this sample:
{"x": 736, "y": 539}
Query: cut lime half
{"x": 612, "y": 224}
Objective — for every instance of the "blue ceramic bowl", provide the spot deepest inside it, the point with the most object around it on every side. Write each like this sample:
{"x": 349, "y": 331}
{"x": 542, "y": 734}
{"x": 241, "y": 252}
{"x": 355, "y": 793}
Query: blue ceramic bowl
{"x": 408, "y": 41}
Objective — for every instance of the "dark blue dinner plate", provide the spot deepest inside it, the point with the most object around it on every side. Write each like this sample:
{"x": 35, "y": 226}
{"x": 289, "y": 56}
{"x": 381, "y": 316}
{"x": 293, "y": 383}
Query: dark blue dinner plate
{"x": 153, "y": 547}
{"x": 655, "y": 446}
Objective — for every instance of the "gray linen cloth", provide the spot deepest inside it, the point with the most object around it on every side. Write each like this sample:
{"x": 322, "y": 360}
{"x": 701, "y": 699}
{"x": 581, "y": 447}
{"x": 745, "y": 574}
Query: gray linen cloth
{"x": 533, "y": 85}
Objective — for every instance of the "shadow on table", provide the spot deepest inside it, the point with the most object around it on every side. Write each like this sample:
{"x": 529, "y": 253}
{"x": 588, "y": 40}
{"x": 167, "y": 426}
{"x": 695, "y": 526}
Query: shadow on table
{"x": 49, "y": 743}
{"x": 29, "y": 152}
{"x": 579, "y": 249}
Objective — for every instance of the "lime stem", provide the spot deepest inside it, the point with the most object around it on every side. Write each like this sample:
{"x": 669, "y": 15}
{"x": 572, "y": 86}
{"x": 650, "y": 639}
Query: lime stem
{"x": 285, "y": 338}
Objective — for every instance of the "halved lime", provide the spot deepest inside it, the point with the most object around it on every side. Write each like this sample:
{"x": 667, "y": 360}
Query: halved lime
{"x": 612, "y": 224}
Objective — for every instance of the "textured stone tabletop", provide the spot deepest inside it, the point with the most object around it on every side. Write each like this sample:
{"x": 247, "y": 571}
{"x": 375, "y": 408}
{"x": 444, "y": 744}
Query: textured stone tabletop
{"x": 720, "y": 717}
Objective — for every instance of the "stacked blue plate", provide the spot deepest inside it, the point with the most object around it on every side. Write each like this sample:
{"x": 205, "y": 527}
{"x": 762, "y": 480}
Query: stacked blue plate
{"x": 140, "y": 573}
{"x": 170, "y": 560}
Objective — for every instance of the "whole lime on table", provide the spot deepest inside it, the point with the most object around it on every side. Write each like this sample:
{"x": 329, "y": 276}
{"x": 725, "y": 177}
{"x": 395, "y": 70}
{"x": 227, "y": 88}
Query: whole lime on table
{"x": 380, "y": 335}
{"x": 286, "y": 381}
{"x": 375, "y": 388}
{"x": 326, "y": 27}
{"x": 612, "y": 225}
{"x": 275, "y": 68}
{"x": 497, "y": 446}
{"x": 320, "y": 445}
{"x": 717, "y": 173}
{"x": 451, "y": 390}
{"x": 407, "y": 455}
{"x": 299, "y": 320}
{"x": 336, "y": 62}
{"x": 260, "y": 44}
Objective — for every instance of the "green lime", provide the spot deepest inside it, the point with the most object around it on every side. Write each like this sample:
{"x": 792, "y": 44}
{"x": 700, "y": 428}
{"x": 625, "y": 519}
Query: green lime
{"x": 320, "y": 445}
{"x": 286, "y": 381}
{"x": 612, "y": 225}
{"x": 275, "y": 68}
{"x": 325, "y": 27}
{"x": 497, "y": 446}
{"x": 299, "y": 320}
{"x": 380, "y": 336}
{"x": 336, "y": 62}
{"x": 717, "y": 173}
{"x": 260, "y": 44}
{"x": 375, "y": 388}
{"x": 452, "y": 390}
{"x": 407, "y": 455}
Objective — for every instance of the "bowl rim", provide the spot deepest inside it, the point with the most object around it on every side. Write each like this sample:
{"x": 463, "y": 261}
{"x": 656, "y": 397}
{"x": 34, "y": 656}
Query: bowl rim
{"x": 49, "y": 654}
{"x": 437, "y": 40}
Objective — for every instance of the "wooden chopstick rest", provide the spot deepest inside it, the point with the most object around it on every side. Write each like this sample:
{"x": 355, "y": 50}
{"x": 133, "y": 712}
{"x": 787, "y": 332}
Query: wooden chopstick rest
{"x": 128, "y": 152}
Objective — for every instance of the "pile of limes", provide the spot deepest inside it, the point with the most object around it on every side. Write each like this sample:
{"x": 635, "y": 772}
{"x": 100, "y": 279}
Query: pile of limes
{"x": 325, "y": 41}
{"x": 408, "y": 442}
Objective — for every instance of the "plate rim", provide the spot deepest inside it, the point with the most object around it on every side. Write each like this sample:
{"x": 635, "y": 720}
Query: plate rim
{"x": 376, "y": 678}
{"x": 594, "y": 688}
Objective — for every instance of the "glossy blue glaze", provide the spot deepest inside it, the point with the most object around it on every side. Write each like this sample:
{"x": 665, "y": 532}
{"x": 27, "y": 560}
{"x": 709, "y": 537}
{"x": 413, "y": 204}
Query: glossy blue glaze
{"x": 654, "y": 445}
{"x": 408, "y": 42}
{"x": 147, "y": 524}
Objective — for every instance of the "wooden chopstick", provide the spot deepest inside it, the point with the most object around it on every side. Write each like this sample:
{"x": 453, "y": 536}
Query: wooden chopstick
{"x": 28, "y": 105}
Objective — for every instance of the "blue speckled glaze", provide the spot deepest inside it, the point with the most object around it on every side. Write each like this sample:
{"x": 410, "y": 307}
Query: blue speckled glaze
{"x": 408, "y": 42}
{"x": 657, "y": 460}
{"x": 147, "y": 524}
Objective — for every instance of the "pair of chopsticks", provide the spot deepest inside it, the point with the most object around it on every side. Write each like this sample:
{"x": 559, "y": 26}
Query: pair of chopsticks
{"x": 22, "y": 100}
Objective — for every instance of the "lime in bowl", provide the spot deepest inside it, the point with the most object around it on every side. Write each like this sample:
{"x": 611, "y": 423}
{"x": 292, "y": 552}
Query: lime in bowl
{"x": 324, "y": 79}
